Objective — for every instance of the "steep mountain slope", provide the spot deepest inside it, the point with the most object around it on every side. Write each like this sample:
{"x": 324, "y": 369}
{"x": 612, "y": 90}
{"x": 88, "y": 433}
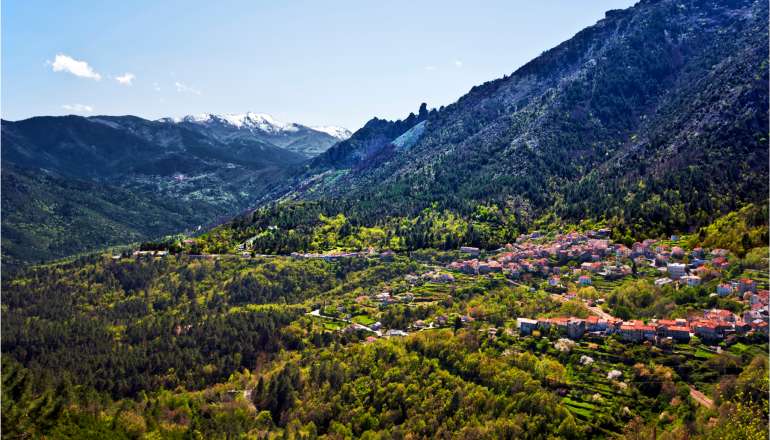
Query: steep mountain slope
{"x": 663, "y": 105}
{"x": 301, "y": 139}
{"x": 144, "y": 179}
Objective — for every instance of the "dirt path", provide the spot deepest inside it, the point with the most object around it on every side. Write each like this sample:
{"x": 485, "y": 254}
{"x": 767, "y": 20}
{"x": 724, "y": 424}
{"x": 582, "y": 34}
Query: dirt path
{"x": 701, "y": 398}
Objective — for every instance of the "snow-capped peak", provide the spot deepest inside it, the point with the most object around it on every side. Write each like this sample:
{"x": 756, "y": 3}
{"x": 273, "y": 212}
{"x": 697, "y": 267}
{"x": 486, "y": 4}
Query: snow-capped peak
{"x": 248, "y": 120}
{"x": 340, "y": 133}
{"x": 255, "y": 121}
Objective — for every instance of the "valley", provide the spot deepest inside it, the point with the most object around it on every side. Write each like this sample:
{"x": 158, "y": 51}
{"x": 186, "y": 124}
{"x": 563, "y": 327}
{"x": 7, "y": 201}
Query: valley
{"x": 574, "y": 250}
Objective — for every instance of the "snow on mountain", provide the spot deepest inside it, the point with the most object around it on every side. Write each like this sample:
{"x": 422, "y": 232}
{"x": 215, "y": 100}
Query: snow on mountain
{"x": 259, "y": 121}
{"x": 340, "y": 133}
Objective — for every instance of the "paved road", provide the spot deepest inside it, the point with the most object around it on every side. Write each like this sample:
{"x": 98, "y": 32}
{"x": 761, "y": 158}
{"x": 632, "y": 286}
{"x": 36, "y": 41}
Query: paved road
{"x": 596, "y": 310}
{"x": 701, "y": 398}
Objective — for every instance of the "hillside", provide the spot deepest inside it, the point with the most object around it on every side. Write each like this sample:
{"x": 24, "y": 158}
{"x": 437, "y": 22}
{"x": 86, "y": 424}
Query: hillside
{"x": 72, "y": 184}
{"x": 577, "y": 250}
{"x": 653, "y": 119}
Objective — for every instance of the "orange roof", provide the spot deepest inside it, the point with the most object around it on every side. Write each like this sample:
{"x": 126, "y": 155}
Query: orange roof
{"x": 675, "y": 328}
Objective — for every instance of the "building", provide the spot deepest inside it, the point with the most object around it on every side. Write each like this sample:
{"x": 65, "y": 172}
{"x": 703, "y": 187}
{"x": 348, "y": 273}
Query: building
{"x": 660, "y": 282}
{"x": 724, "y": 289}
{"x": 526, "y": 326}
{"x": 676, "y": 270}
{"x": 636, "y": 331}
{"x": 596, "y": 324}
{"x": 719, "y": 315}
{"x": 690, "y": 280}
{"x": 707, "y": 330}
{"x": 469, "y": 250}
{"x": 678, "y": 333}
{"x": 747, "y": 285}
{"x": 576, "y": 328}
{"x": 584, "y": 280}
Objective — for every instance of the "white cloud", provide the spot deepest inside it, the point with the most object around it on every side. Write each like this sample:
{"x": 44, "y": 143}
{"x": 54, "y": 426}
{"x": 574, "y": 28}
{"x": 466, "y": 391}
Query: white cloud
{"x": 156, "y": 87}
{"x": 78, "y": 108}
{"x": 430, "y": 68}
{"x": 458, "y": 63}
{"x": 65, "y": 63}
{"x": 182, "y": 88}
{"x": 126, "y": 79}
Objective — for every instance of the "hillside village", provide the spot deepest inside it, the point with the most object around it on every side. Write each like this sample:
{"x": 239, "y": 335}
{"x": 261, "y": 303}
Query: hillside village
{"x": 564, "y": 263}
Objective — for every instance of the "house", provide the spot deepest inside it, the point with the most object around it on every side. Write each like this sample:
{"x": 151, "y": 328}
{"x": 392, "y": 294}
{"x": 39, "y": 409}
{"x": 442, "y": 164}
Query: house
{"x": 676, "y": 270}
{"x": 636, "y": 331}
{"x": 724, "y": 289}
{"x": 596, "y": 324}
{"x": 747, "y": 285}
{"x": 759, "y": 326}
{"x": 660, "y": 282}
{"x": 677, "y": 252}
{"x": 761, "y": 297}
{"x": 690, "y": 280}
{"x": 576, "y": 328}
{"x": 705, "y": 330}
{"x": 678, "y": 333}
{"x": 469, "y": 250}
{"x": 526, "y": 326}
{"x": 584, "y": 280}
{"x": 719, "y": 262}
{"x": 719, "y": 315}
{"x": 394, "y": 332}
{"x": 554, "y": 281}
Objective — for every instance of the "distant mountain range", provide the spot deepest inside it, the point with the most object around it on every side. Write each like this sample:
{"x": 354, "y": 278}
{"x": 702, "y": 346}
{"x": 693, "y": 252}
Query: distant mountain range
{"x": 73, "y": 183}
{"x": 307, "y": 141}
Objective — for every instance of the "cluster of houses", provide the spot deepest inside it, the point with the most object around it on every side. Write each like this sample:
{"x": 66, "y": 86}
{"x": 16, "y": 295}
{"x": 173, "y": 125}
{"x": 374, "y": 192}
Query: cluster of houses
{"x": 598, "y": 256}
{"x": 528, "y": 256}
{"x": 713, "y": 325}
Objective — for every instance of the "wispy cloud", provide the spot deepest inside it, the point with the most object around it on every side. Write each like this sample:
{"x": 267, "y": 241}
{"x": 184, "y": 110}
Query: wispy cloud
{"x": 78, "y": 108}
{"x": 156, "y": 87}
{"x": 458, "y": 63}
{"x": 126, "y": 79}
{"x": 65, "y": 63}
{"x": 183, "y": 88}
{"x": 430, "y": 68}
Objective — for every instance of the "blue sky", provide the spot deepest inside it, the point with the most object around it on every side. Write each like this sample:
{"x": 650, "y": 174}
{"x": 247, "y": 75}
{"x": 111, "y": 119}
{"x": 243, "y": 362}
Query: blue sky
{"x": 318, "y": 63}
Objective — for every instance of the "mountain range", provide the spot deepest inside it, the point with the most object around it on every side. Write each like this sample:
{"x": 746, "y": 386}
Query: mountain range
{"x": 73, "y": 183}
{"x": 654, "y": 119}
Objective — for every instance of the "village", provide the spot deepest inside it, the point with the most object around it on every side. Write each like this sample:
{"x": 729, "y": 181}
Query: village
{"x": 566, "y": 262}
{"x": 599, "y": 257}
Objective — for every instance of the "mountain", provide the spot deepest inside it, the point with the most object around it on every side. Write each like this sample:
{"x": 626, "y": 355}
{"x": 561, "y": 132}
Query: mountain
{"x": 301, "y": 139}
{"x": 654, "y": 120}
{"x": 72, "y": 183}
{"x": 616, "y": 122}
